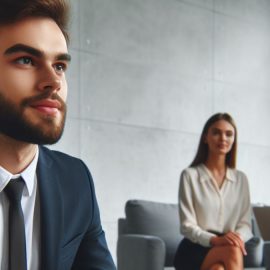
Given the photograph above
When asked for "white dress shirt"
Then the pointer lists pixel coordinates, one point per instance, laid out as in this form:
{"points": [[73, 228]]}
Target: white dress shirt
{"points": [[30, 207], [205, 207]]}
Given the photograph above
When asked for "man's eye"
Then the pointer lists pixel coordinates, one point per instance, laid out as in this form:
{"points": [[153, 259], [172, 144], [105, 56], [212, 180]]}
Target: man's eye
{"points": [[60, 67], [24, 61]]}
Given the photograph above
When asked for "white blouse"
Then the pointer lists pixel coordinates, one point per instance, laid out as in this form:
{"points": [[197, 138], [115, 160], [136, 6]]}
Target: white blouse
{"points": [[205, 208]]}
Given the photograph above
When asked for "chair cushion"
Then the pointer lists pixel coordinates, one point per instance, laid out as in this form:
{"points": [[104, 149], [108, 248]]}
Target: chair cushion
{"points": [[158, 219]]}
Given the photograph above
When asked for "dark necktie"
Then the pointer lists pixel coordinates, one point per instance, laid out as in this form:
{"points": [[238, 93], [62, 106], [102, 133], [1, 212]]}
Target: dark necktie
{"points": [[17, 244]]}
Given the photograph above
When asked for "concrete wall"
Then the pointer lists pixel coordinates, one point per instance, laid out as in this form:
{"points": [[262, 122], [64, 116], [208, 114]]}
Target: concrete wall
{"points": [[145, 76]]}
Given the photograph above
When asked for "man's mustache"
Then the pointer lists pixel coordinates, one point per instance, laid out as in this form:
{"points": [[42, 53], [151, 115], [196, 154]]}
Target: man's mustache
{"points": [[42, 96]]}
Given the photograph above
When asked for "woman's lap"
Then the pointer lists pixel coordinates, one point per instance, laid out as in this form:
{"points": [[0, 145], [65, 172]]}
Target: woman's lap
{"points": [[189, 255]]}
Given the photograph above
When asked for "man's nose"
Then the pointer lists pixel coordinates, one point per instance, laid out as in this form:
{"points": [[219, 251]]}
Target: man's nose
{"points": [[49, 80]]}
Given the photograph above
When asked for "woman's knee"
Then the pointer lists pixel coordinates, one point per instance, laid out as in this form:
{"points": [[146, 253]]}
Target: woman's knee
{"points": [[229, 256], [235, 255], [234, 252], [217, 266]]}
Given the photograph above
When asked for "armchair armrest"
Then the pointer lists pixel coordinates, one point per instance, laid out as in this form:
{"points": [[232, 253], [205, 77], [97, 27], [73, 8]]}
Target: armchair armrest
{"points": [[140, 252], [266, 254]]}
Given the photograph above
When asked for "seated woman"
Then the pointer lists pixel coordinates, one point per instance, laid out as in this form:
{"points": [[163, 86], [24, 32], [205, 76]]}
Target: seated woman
{"points": [[214, 203]]}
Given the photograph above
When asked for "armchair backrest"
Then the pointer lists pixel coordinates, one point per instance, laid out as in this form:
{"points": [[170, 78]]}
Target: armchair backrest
{"points": [[156, 219]]}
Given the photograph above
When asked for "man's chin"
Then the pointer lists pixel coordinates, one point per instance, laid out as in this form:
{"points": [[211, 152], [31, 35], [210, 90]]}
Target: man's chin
{"points": [[35, 137], [42, 129], [45, 132]]}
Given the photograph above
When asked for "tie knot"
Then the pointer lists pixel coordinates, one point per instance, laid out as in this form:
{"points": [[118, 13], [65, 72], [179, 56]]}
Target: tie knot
{"points": [[14, 189]]}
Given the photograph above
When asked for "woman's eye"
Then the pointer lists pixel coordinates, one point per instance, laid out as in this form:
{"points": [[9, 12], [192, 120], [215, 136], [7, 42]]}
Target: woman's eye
{"points": [[215, 132], [24, 61]]}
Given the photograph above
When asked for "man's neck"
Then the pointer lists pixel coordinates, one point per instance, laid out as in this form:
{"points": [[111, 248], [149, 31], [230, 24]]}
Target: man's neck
{"points": [[15, 155]]}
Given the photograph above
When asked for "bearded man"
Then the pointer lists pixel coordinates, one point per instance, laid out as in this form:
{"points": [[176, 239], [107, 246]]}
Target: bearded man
{"points": [[49, 217]]}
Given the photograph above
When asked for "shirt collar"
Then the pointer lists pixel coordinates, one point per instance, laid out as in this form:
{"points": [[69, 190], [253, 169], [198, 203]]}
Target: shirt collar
{"points": [[205, 174], [230, 175], [28, 175]]}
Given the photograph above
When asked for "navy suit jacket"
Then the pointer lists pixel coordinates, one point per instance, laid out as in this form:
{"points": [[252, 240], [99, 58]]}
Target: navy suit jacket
{"points": [[71, 232]]}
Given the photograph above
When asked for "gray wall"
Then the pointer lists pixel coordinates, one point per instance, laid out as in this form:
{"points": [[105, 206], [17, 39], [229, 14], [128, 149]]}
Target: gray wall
{"points": [[145, 76]]}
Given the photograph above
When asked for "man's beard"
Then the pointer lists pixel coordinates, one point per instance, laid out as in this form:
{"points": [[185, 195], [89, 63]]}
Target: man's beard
{"points": [[14, 124]]}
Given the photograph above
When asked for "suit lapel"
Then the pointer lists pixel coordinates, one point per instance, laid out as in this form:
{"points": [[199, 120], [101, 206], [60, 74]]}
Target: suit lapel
{"points": [[50, 211]]}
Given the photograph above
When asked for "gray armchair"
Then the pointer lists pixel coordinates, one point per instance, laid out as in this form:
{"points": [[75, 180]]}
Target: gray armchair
{"points": [[149, 235]]}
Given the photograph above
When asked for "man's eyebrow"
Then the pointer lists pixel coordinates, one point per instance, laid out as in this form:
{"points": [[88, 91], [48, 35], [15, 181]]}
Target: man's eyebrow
{"points": [[35, 52], [23, 48], [64, 57]]}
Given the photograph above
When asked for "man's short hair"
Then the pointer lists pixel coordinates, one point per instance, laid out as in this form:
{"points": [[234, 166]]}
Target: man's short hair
{"points": [[12, 11]]}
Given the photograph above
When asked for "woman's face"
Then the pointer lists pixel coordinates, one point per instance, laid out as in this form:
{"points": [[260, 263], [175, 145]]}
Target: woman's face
{"points": [[220, 138]]}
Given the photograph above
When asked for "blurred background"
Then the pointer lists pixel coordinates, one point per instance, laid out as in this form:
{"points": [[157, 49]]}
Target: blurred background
{"points": [[146, 75]]}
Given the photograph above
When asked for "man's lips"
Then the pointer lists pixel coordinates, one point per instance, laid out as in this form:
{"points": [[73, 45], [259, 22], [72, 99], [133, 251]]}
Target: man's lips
{"points": [[47, 106]]}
